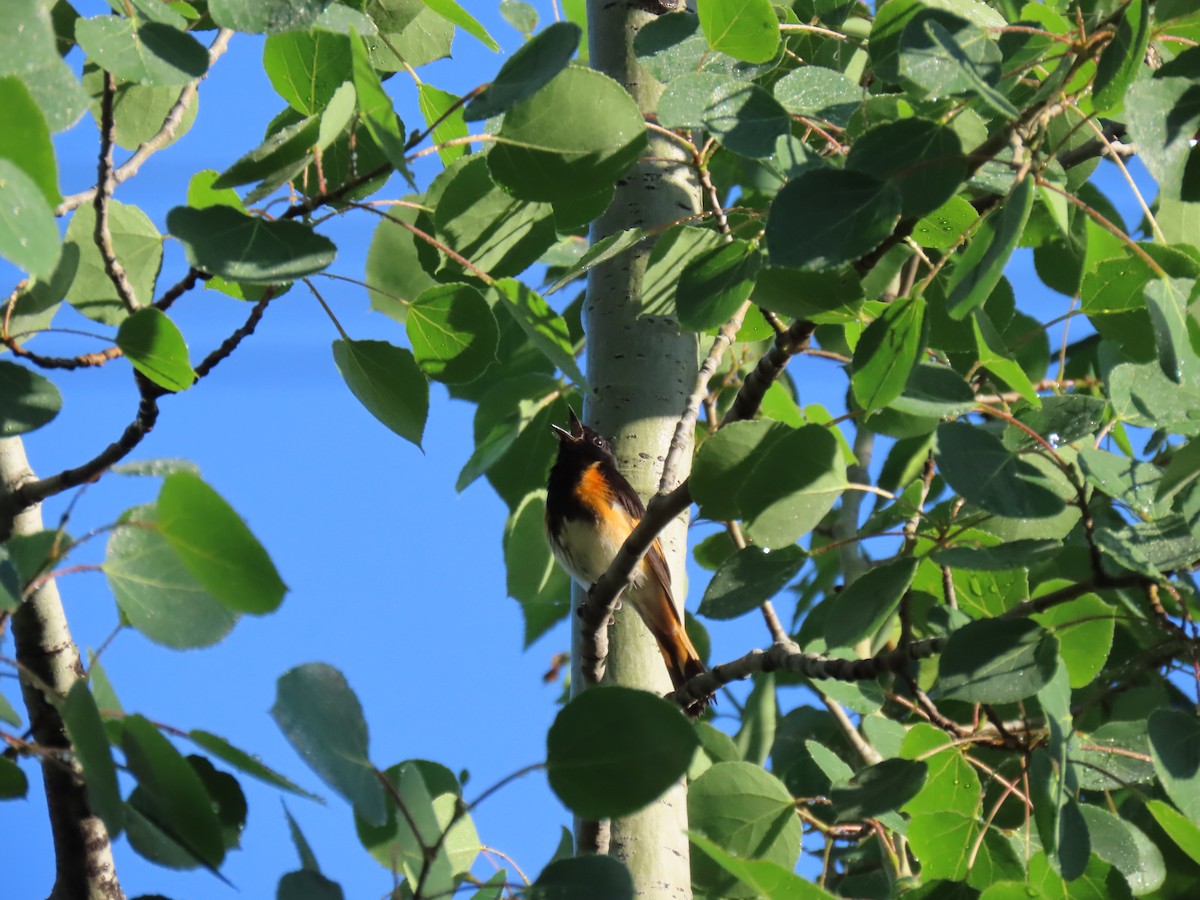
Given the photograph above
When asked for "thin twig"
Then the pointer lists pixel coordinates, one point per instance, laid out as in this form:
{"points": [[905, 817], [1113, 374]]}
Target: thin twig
{"points": [[104, 183], [165, 133], [230, 343]]}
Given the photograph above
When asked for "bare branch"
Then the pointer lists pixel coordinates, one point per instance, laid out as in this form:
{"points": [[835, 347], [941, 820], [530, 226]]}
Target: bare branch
{"points": [[170, 125], [789, 657], [230, 343], [101, 234]]}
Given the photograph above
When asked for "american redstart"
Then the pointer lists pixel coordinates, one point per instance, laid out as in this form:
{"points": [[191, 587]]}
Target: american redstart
{"points": [[590, 511]]}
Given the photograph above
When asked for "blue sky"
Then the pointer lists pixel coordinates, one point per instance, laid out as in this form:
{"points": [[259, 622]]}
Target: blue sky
{"points": [[394, 578]]}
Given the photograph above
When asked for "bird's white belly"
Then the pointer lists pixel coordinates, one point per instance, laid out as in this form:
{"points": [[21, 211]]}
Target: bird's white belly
{"points": [[591, 553]]}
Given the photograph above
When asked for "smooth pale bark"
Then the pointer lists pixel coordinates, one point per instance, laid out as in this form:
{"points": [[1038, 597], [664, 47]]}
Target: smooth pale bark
{"points": [[641, 370], [83, 853]]}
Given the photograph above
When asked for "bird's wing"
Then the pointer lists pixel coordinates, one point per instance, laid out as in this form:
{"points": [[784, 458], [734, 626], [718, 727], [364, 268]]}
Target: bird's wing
{"points": [[627, 498]]}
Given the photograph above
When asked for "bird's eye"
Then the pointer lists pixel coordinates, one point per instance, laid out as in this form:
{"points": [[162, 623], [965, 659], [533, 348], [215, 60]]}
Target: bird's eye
{"points": [[598, 441]]}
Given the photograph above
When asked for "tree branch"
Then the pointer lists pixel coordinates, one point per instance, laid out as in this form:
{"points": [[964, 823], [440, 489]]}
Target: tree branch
{"points": [[170, 125], [789, 657], [104, 186]]}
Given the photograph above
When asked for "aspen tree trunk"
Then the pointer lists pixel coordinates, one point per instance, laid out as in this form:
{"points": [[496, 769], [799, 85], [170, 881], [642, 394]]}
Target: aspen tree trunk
{"points": [[641, 370], [47, 652]]}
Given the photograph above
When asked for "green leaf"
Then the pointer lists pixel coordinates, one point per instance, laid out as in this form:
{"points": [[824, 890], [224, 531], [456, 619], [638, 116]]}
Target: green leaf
{"points": [[452, 12], [583, 878], [745, 29], [430, 795], [1121, 60], [1162, 116], [749, 578], [28, 234], [13, 783], [1126, 848], [153, 53], [862, 608], [321, 717], [306, 68], [982, 264], [266, 16], [29, 49], [857, 211], [767, 879], [946, 55], [671, 253], [240, 759], [756, 735], [552, 146], [524, 73], [27, 400], [943, 842], [275, 158], [997, 661], [951, 784], [25, 139], [223, 241], [394, 274], [1167, 302], [601, 251], [453, 333], [1175, 746], [388, 382], [749, 814], [521, 16], [714, 284], [1142, 395], [945, 226], [878, 789], [155, 592], [994, 356], [216, 546], [171, 792], [986, 473], [92, 751], [495, 231], [1128, 480], [743, 117], [613, 750], [923, 160], [441, 107], [1011, 555], [887, 352], [819, 92], [1084, 628], [1182, 830], [786, 478], [1182, 470], [532, 578], [1117, 755], [933, 391], [307, 885], [544, 327], [156, 348], [375, 105]]}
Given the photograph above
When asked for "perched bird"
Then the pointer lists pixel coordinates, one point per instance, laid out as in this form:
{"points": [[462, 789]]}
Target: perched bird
{"points": [[590, 510]]}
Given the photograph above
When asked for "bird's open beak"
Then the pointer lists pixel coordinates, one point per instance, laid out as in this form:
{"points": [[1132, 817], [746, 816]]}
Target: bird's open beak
{"points": [[575, 435]]}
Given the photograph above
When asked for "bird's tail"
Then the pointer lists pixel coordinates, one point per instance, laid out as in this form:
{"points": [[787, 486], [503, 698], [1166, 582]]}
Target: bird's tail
{"points": [[678, 652]]}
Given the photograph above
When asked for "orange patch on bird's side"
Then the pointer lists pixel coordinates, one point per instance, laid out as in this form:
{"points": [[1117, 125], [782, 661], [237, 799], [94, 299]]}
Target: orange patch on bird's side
{"points": [[594, 491]]}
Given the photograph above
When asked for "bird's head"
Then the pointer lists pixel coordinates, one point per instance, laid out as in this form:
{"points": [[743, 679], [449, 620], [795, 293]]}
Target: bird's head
{"points": [[582, 441]]}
